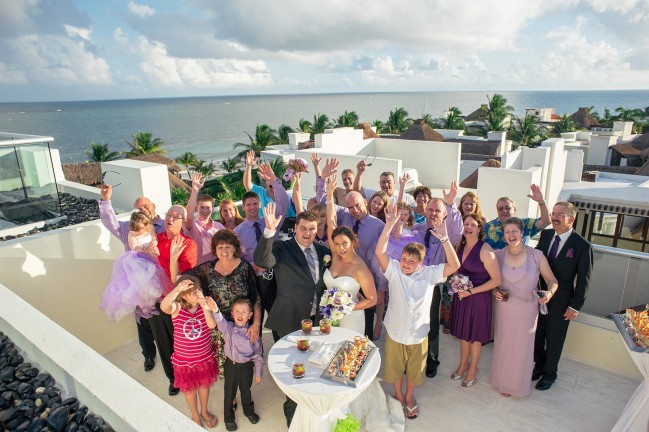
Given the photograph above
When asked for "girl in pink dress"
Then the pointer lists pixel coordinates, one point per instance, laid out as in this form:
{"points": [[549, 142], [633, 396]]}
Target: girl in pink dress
{"points": [[193, 360]]}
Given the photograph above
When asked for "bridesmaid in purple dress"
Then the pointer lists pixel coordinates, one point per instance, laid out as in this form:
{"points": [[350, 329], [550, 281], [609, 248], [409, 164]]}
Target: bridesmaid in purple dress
{"points": [[471, 309], [513, 357]]}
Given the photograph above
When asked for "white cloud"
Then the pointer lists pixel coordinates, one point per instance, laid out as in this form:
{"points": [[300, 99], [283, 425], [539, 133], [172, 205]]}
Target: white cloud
{"points": [[73, 31], [164, 70], [139, 10], [11, 76]]}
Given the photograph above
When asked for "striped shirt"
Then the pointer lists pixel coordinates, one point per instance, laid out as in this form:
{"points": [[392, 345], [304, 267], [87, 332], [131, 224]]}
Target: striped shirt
{"points": [[192, 338]]}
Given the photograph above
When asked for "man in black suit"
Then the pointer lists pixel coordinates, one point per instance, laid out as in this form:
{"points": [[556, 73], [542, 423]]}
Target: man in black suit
{"points": [[298, 265], [571, 260]]}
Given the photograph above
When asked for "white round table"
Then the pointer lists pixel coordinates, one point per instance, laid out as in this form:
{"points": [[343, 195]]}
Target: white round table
{"points": [[320, 402]]}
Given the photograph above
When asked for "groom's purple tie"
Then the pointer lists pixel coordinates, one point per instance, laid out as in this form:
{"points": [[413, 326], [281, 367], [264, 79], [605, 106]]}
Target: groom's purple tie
{"points": [[554, 249]]}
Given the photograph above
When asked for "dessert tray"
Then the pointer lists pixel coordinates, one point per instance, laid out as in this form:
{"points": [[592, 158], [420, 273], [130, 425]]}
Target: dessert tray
{"points": [[346, 366], [634, 328]]}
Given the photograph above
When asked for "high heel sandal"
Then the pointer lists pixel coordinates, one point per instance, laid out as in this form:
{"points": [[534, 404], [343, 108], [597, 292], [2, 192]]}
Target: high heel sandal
{"points": [[456, 377], [466, 383]]}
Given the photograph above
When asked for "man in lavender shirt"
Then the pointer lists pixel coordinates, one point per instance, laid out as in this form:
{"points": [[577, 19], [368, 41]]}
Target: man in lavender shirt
{"points": [[368, 229], [437, 210], [120, 230], [252, 228], [202, 228]]}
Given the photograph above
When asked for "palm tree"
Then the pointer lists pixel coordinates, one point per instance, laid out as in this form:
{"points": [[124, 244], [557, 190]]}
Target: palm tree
{"points": [[565, 124], [607, 119], [320, 123], [498, 112], [592, 112], [100, 153], [398, 121], [454, 120], [428, 119], [625, 114], [283, 132], [144, 143], [264, 136], [379, 125], [304, 125], [527, 131], [187, 159], [348, 119], [230, 165], [204, 168]]}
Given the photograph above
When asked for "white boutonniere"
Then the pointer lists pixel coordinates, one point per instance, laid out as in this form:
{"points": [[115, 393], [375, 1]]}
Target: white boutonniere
{"points": [[326, 260]]}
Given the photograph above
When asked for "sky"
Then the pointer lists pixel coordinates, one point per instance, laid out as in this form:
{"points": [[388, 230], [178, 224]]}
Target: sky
{"points": [[53, 50]]}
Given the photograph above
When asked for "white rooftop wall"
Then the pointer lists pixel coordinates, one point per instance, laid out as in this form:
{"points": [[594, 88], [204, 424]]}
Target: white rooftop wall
{"points": [[574, 165], [494, 183], [599, 152]]}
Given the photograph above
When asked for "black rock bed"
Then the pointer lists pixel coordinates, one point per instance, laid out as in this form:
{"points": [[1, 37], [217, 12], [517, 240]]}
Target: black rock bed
{"points": [[77, 210], [30, 400]]}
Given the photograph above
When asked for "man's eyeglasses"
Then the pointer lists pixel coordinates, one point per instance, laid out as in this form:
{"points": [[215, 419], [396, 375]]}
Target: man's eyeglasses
{"points": [[173, 217], [369, 164], [558, 215], [504, 208], [103, 176]]}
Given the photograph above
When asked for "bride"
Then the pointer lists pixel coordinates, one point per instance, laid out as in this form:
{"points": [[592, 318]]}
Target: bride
{"points": [[347, 272]]}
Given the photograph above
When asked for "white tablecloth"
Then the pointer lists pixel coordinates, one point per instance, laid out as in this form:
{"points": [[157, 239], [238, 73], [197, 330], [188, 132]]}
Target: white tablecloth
{"points": [[320, 402], [635, 417]]}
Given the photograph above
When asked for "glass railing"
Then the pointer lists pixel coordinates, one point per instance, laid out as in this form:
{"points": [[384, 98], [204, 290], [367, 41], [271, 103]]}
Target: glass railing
{"points": [[620, 280]]}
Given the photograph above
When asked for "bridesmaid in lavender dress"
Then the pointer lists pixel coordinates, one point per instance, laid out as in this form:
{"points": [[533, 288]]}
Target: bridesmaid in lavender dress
{"points": [[471, 310], [513, 356]]}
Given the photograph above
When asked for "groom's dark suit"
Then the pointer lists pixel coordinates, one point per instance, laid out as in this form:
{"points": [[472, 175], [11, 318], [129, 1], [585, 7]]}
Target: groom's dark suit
{"points": [[295, 286], [572, 269]]}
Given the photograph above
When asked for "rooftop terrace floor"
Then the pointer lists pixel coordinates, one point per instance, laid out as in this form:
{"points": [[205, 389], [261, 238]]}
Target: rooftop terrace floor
{"points": [[583, 398]]}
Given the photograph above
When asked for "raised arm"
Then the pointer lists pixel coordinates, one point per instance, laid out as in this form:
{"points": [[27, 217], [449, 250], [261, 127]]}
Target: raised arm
{"points": [[537, 195], [168, 304], [315, 160], [175, 250], [391, 218], [264, 256], [331, 167], [107, 214], [208, 312], [297, 193], [403, 181], [452, 261], [247, 172], [332, 219], [197, 184], [267, 174], [360, 171]]}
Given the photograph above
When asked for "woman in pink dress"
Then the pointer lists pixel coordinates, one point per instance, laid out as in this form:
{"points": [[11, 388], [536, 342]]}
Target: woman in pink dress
{"points": [[515, 320]]}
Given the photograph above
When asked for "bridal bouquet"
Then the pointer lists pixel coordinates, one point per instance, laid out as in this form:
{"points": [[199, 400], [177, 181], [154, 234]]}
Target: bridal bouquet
{"points": [[335, 304], [459, 283], [295, 166]]}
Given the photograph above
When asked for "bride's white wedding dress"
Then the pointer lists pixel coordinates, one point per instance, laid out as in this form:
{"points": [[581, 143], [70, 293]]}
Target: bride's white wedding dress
{"points": [[356, 320]]}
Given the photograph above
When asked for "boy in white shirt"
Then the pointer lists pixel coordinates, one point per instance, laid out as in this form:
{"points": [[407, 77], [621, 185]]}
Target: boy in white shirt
{"points": [[411, 288]]}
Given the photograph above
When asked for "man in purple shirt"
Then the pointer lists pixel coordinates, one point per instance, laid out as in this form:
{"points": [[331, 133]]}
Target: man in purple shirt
{"points": [[252, 228], [368, 229], [120, 230], [437, 210], [202, 228]]}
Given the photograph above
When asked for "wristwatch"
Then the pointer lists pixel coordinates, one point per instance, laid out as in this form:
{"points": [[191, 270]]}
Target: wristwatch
{"points": [[469, 291]]}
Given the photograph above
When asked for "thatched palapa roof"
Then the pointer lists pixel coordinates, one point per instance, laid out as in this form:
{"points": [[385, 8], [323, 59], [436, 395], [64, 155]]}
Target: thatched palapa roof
{"points": [[367, 131], [638, 146], [643, 170], [87, 173], [583, 119], [471, 182], [422, 132], [478, 115], [158, 158]]}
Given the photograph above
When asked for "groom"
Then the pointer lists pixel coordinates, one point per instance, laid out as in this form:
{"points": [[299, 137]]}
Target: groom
{"points": [[298, 265]]}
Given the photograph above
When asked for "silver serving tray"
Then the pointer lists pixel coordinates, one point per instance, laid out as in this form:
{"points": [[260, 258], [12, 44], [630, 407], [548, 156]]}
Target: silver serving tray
{"points": [[333, 373], [618, 319]]}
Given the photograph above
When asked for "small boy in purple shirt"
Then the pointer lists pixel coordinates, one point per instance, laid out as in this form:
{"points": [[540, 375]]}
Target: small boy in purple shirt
{"points": [[241, 357]]}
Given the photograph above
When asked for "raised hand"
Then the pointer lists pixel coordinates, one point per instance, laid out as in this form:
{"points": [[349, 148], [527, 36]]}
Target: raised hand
{"points": [[392, 215], [331, 166], [183, 285], [106, 192], [272, 221], [201, 298], [197, 184], [266, 173], [536, 194], [315, 160], [211, 304], [330, 186], [251, 160], [361, 167], [449, 197], [439, 229], [177, 247], [403, 181]]}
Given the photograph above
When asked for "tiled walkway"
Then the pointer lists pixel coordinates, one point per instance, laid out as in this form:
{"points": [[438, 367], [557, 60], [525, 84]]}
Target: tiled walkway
{"points": [[584, 398]]}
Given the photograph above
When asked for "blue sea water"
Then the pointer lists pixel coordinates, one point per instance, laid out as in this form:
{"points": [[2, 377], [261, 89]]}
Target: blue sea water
{"points": [[209, 126]]}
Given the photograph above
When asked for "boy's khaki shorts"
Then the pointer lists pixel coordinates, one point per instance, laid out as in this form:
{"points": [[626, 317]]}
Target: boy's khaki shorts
{"points": [[400, 358]]}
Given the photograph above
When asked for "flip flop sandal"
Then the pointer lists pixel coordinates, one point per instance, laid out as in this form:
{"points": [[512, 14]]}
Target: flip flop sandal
{"points": [[210, 421], [412, 413]]}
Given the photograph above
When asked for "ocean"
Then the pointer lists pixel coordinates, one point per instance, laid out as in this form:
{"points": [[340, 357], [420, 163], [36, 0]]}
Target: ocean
{"points": [[209, 126]]}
